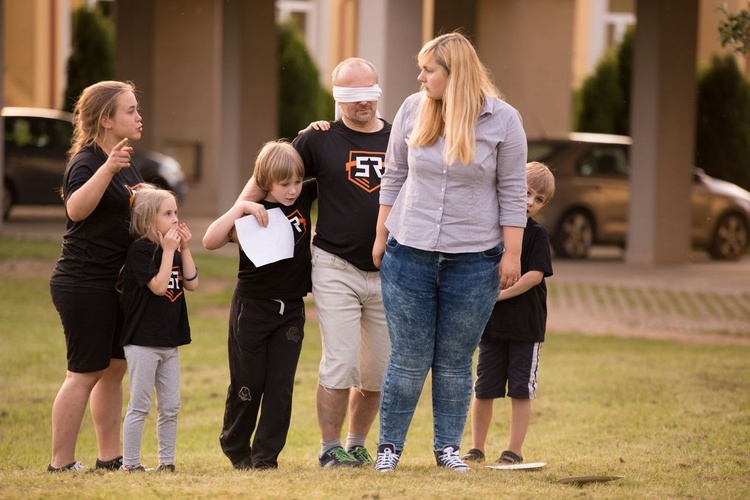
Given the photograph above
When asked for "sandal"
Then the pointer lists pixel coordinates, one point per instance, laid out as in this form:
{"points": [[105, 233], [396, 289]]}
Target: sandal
{"points": [[508, 457], [474, 455]]}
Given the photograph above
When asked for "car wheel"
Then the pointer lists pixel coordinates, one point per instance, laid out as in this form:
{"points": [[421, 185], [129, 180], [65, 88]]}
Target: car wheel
{"points": [[730, 238], [7, 200], [574, 236]]}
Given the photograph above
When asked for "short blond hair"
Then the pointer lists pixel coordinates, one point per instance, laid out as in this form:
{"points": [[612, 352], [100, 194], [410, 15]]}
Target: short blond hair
{"points": [[539, 178], [146, 203], [277, 161]]}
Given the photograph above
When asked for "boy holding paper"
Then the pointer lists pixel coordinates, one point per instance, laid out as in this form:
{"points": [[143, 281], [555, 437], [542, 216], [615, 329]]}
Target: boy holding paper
{"points": [[267, 315]]}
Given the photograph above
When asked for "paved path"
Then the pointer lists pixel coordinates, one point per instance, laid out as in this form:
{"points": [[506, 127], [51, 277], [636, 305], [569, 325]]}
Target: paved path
{"points": [[701, 301]]}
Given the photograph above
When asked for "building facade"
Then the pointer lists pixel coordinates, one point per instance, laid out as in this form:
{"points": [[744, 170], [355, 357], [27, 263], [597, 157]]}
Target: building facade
{"points": [[206, 71]]}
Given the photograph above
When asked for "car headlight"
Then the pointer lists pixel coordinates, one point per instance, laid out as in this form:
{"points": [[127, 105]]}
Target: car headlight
{"points": [[171, 171]]}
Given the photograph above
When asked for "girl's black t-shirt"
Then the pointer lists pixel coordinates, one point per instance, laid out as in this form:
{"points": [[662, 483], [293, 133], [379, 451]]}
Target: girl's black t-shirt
{"points": [[94, 249], [153, 320]]}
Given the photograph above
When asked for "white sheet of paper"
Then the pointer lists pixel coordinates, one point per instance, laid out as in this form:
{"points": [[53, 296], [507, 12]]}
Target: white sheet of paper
{"points": [[264, 245]]}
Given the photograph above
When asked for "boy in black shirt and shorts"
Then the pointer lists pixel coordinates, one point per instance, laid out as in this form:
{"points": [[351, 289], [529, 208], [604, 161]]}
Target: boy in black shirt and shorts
{"points": [[511, 342]]}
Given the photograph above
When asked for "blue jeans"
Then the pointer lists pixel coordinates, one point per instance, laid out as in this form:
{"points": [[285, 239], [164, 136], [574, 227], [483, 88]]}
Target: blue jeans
{"points": [[436, 306]]}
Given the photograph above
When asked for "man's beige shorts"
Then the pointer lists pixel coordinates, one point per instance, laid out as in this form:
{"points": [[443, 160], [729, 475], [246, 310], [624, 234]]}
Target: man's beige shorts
{"points": [[355, 339]]}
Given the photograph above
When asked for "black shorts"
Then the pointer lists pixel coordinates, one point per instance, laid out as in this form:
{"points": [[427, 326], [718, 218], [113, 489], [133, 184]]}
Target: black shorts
{"points": [[92, 321], [507, 362]]}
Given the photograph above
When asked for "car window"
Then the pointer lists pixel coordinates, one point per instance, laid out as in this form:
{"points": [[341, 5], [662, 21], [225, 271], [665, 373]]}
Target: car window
{"points": [[60, 134], [540, 151], [18, 132], [606, 161], [43, 133]]}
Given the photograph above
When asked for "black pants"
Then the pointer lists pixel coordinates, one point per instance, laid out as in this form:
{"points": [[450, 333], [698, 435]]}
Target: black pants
{"points": [[265, 341]]}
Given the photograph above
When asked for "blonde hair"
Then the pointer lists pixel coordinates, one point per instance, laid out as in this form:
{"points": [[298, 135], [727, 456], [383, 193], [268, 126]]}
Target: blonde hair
{"points": [[95, 103], [539, 178], [146, 203], [277, 161], [455, 115]]}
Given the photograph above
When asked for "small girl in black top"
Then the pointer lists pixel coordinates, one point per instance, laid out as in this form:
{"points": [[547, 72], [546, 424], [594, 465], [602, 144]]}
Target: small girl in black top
{"points": [[267, 316], [158, 269]]}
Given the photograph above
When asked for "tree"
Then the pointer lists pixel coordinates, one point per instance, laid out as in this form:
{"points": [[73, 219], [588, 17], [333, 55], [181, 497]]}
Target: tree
{"points": [[604, 99], [735, 30], [301, 97], [722, 131], [93, 51]]}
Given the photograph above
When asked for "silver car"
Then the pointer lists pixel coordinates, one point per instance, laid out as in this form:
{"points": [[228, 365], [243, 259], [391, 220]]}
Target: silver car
{"points": [[590, 205]]}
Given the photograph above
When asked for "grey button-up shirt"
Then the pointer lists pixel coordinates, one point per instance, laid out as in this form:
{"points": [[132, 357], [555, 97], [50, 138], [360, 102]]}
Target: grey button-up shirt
{"points": [[456, 208]]}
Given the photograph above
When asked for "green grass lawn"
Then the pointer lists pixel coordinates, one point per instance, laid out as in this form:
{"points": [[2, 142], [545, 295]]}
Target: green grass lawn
{"points": [[673, 419]]}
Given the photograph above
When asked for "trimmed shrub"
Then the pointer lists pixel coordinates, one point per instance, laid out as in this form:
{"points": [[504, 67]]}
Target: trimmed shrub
{"points": [[603, 102], [722, 136], [722, 140], [93, 52], [601, 99], [301, 97]]}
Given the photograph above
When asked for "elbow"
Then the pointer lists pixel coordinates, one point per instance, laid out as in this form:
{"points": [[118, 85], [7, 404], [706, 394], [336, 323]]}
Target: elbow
{"points": [[536, 278], [158, 290], [75, 208], [74, 215], [209, 243]]}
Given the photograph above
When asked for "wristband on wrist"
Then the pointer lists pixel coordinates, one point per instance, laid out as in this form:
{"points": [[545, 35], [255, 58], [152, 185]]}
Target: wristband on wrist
{"points": [[191, 279]]}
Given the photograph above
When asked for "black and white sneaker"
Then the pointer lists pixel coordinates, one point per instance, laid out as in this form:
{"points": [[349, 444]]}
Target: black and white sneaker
{"points": [[448, 457], [73, 466], [387, 458], [132, 468], [113, 464]]}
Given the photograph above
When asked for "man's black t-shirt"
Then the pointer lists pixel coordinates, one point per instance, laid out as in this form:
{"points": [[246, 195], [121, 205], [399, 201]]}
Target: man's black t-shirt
{"points": [[94, 249], [153, 320], [289, 278], [524, 317], [348, 166]]}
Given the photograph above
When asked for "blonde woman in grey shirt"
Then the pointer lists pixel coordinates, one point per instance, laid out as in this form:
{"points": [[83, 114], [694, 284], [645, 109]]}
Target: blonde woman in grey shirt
{"points": [[452, 203]]}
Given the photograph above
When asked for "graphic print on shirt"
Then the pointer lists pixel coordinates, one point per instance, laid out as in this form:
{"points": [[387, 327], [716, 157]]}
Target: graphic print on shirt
{"points": [[365, 169], [174, 288], [299, 225]]}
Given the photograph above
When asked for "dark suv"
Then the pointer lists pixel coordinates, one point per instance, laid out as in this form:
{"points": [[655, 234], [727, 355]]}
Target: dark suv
{"points": [[36, 144]]}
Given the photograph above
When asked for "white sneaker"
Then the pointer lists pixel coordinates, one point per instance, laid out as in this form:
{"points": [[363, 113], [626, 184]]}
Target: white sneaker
{"points": [[448, 457], [387, 458]]}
